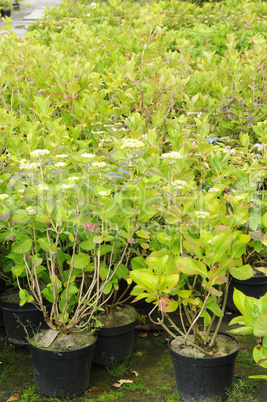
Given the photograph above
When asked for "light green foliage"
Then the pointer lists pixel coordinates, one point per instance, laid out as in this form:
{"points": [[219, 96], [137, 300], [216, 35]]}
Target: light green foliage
{"points": [[158, 109], [253, 321]]}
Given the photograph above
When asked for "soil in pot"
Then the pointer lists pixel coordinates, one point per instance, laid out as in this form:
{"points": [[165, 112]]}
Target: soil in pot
{"points": [[62, 362], [115, 337], [19, 320], [200, 378]]}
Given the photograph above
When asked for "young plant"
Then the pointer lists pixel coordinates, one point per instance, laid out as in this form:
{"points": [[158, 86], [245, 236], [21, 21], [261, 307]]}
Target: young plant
{"points": [[253, 320]]}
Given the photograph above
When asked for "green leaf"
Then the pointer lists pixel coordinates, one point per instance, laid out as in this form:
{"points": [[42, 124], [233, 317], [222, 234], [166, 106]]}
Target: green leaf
{"points": [[191, 267], [239, 300], [107, 288], [138, 262], [242, 331], [5, 213], [48, 294], [88, 245], [42, 218], [260, 356], [20, 216], [18, 270], [260, 327], [25, 297], [242, 273], [22, 246], [81, 260], [46, 246]]}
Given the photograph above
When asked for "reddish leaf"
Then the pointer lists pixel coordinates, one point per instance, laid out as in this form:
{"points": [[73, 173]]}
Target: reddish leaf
{"points": [[131, 240], [13, 397], [143, 334], [219, 354], [243, 350], [93, 389]]}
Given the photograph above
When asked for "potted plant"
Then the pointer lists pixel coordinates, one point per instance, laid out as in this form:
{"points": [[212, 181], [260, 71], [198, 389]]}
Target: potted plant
{"points": [[253, 320], [200, 243], [70, 235], [61, 253], [16, 5], [256, 286], [5, 8]]}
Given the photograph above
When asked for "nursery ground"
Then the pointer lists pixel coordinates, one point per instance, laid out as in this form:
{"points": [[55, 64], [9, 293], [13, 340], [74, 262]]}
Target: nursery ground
{"points": [[150, 370]]}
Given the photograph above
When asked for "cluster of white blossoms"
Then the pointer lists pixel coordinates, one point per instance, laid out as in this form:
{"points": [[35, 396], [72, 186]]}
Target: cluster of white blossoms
{"points": [[99, 164], [172, 155], [65, 186], [3, 196], [214, 190], [24, 164], [62, 156], [88, 156], [103, 193], [39, 152], [31, 210], [105, 140], [129, 143], [43, 187], [73, 178], [179, 184], [229, 151], [201, 214], [239, 197], [60, 164]]}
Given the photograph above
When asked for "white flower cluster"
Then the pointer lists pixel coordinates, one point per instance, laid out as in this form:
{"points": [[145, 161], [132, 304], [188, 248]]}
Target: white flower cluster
{"points": [[201, 214], [103, 193], [129, 143], [29, 166], [239, 197], [172, 155], [31, 210], [39, 152], [43, 187], [65, 186], [60, 164], [99, 164], [73, 178], [88, 156], [229, 151], [62, 156], [105, 140], [214, 190], [3, 196], [179, 184]]}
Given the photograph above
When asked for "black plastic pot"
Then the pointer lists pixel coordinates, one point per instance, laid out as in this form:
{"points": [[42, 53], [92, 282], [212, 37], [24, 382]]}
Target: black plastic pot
{"points": [[254, 287], [20, 320], [114, 344], [16, 6], [5, 13], [203, 379], [62, 374]]}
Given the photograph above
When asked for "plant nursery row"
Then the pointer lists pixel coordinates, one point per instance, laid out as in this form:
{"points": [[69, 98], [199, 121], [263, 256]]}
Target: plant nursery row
{"points": [[133, 160]]}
